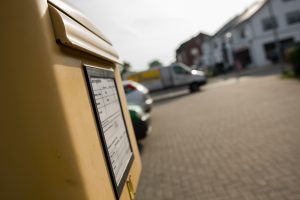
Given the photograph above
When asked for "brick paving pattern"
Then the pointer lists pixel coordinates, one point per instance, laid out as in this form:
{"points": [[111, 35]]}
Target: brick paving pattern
{"points": [[237, 141]]}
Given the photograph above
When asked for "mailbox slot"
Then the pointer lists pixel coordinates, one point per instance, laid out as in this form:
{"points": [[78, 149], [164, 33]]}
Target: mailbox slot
{"points": [[70, 32]]}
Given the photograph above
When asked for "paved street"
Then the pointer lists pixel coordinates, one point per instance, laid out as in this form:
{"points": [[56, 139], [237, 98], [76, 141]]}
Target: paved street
{"points": [[231, 141]]}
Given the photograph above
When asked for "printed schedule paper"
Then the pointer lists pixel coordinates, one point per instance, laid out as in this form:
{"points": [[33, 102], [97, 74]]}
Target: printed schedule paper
{"points": [[112, 123]]}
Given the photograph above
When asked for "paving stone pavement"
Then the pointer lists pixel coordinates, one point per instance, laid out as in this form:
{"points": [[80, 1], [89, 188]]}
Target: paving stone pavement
{"points": [[239, 141]]}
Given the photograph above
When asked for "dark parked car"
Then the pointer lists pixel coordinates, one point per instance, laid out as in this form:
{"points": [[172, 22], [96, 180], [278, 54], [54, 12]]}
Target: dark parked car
{"points": [[140, 121]]}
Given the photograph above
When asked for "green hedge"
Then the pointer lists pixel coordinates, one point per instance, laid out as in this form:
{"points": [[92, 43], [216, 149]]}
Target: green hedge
{"points": [[293, 57]]}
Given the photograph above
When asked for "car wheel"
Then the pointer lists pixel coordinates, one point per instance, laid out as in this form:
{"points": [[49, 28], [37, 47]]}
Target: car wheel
{"points": [[194, 87]]}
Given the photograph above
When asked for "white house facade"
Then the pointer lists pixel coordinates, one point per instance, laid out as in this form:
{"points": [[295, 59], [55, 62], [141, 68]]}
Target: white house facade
{"points": [[256, 37]]}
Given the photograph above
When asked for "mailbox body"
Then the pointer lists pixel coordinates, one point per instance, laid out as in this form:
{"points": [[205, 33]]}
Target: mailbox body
{"points": [[50, 143]]}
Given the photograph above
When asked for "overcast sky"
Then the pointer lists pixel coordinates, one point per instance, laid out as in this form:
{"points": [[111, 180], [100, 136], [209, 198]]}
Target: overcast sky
{"points": [[144, 30]]}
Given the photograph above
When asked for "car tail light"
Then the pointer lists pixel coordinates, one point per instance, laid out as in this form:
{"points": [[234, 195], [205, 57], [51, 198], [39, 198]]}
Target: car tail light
{"points": [[132, 87], [129, 88]]}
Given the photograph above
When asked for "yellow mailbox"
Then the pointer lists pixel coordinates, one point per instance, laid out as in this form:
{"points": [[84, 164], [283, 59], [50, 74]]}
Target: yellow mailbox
{"points": [[65, 128]]}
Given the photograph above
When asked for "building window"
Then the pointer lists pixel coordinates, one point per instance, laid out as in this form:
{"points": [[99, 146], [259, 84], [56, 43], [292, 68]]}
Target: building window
{"points": [[194, 51], [269, 23], [179, 58], [215, 44], [242, 33], [293, 17]]}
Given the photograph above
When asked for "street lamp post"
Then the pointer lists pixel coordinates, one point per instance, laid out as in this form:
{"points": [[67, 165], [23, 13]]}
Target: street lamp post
{"points": [[276, 35]]}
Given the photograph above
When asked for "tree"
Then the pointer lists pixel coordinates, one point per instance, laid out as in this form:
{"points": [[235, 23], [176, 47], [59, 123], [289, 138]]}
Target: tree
{"points": [[155, 63], [126, 69]]}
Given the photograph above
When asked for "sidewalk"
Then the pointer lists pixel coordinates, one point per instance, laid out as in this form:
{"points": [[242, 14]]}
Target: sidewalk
{"points": [[239, 142], [253, 71]]}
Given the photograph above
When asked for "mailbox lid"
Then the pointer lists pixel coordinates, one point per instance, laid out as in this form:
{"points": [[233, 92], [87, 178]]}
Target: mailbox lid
{"points": [[74, 30]]}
